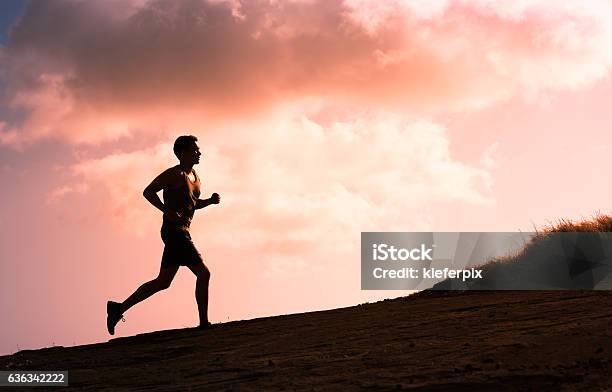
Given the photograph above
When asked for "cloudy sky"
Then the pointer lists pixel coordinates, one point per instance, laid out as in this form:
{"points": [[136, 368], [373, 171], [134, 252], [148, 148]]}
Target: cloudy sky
{"points": [[317, 120]]}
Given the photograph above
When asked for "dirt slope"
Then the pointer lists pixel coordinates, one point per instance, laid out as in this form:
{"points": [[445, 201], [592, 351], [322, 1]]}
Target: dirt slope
{"points": [[433, 341]]}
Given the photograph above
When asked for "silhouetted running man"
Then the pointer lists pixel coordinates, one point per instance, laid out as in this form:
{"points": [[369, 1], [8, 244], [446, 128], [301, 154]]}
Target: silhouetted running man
{"points": [[181, 191]]}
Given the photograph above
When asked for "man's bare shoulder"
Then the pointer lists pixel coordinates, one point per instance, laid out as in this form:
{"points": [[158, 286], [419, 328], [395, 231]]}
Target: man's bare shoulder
{"points": [[172, 171], [168, 179], [173, 177]]}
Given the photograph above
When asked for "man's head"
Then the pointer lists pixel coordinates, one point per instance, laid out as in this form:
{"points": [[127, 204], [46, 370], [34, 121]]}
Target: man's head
{"points": [[186, 149]]}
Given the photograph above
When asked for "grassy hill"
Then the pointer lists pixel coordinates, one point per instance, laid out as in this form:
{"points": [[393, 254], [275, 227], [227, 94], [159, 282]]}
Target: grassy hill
{"points": [[563, 256]]}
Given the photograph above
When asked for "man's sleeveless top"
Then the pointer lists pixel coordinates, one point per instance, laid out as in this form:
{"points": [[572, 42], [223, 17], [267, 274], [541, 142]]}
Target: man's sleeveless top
{"points": [[182, 199]]}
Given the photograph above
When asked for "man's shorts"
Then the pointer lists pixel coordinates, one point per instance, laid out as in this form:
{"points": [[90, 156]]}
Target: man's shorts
{"points": [[178, 249]]}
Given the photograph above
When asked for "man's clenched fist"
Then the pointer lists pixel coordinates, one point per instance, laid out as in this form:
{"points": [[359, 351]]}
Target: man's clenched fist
{"points": [[215, 199]]}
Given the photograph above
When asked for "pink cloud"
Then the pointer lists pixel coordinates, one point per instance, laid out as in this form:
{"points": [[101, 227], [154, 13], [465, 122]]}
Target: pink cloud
{"points": [[302, 188], [97, 71]]}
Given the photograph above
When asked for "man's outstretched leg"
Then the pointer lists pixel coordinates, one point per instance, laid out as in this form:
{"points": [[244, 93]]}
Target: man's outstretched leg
{"points": [[201, 292], [115, 310]]}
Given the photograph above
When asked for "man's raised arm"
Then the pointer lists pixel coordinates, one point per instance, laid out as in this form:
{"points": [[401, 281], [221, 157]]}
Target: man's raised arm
{"points": [[167, 179]]}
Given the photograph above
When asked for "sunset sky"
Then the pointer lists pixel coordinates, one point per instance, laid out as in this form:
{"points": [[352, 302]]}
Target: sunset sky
{"points": [[317, 120]]}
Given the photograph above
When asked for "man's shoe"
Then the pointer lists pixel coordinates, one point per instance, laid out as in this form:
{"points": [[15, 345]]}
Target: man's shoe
{"points": [[113, 315]]}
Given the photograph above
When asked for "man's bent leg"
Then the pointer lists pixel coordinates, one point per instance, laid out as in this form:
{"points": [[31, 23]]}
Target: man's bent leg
{"points": [[201, 293], [163, 280]]}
